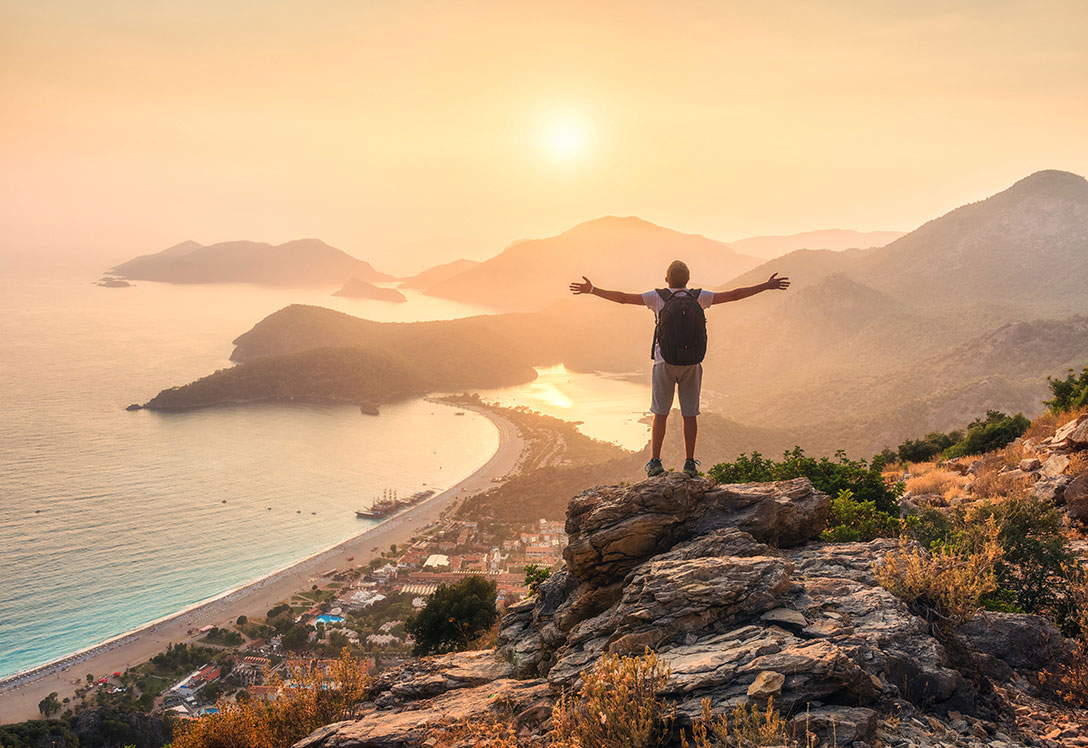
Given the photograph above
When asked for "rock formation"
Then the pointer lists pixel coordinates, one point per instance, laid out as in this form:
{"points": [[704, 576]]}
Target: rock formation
{"points": [[727, 585]]}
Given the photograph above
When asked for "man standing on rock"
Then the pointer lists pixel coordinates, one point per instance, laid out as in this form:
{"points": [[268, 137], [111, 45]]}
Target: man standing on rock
{"points": [[678, 348]]}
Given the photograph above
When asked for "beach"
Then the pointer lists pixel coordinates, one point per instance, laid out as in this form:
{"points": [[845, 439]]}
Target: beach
{"points": [[20, 694]]}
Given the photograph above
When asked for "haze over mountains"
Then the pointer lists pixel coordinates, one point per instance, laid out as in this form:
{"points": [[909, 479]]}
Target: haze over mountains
{"points": [[628, 254], [303, 262], [769, 247], [971, 311]]}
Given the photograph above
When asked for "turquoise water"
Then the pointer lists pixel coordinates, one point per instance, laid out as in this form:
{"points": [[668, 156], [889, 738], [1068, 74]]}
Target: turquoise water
{"points": [[111, 519], [326, 618]]}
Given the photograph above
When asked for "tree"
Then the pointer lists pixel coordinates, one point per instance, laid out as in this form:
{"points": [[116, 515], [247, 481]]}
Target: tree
{"points": [[296, 637], [49, 705], [242, 620], [454, 616]]}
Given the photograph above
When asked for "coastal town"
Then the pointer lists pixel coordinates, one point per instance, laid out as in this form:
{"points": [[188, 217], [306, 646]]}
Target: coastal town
{"points": [[361, 607]]}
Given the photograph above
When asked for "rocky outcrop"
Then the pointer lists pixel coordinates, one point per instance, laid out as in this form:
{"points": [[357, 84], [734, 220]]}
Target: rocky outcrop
{"points": [[726, 584]]}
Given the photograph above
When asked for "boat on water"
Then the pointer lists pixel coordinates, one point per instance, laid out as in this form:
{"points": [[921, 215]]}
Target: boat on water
{"points": [[389, 503]]}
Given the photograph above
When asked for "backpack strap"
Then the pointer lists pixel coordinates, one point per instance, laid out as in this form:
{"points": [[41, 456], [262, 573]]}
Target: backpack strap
{"points": [[666, 296]]}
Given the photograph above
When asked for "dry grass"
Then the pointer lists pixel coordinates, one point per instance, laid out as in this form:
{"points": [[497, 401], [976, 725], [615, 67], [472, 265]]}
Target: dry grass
{"points": [[313, 699], [946, 583], [744, 728], [617, 707], [1078, 464], [1013, 454], [990, 484], [941, 481], [485, 734], [1046, 424]]}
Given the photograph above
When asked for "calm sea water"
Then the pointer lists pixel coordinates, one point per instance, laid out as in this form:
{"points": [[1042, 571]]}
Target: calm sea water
{"points": [[111, 519]]}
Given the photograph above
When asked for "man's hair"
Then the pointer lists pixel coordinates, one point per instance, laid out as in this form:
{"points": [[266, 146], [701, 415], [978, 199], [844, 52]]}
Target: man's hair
{"points": [[678, 275]]}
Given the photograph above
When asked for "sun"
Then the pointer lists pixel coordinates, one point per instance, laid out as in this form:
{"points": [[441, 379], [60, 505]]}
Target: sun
{"points": [[565, 139]]}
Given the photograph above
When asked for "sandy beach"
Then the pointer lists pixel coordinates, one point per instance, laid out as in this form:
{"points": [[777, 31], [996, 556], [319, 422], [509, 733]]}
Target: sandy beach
{"points": [[20, 694]]}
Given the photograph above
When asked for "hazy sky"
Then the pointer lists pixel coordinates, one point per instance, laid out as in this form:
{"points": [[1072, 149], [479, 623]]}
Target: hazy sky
{"points": [[408, 133]]}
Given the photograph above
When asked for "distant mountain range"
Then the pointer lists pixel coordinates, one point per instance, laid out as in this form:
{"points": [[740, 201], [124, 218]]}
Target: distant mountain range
{"points": [[769, 247], [869, 347], [438, 274], [628, 254], [303, 262]]}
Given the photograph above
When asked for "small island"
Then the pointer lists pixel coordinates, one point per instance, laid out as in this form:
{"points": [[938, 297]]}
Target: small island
{"points": [[113, 283], [356, 288]]}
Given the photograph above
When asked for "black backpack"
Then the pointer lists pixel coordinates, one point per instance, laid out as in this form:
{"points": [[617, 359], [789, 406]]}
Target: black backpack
{"points": [[680, 328]]}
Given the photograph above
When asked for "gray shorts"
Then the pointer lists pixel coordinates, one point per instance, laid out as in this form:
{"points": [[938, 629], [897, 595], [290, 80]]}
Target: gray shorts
{"points": [[667, 378]]}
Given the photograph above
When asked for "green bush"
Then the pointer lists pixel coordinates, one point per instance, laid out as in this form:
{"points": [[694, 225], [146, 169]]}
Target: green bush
{"points": [[1031, 576], [535, 576], [1070, 393], [924, 450], [985, 435], [454, 616], [864, 481], [852, 521]]}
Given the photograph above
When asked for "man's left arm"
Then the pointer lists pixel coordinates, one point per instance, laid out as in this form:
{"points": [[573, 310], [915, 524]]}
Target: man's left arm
{"points": [[774, 283]]}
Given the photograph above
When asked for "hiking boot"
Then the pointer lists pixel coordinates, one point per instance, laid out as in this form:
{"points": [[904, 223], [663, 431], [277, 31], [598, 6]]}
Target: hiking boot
{"points": [[691, 467], [654, 467]]}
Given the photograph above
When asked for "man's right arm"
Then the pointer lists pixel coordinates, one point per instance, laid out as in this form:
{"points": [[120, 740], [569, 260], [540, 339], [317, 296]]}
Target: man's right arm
{"points": [[617, 296]]}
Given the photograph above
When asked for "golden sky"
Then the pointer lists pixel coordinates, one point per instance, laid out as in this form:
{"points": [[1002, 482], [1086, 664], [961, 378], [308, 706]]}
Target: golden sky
{"points": [[409, 133]]}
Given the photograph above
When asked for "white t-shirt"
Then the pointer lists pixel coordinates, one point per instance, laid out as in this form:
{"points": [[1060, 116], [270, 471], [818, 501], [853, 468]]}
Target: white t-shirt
{"points": [[653, 300]]}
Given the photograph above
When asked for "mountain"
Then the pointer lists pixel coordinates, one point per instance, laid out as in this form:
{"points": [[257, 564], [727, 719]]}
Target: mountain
{"points": [[628, 254], [769, 247], [360, 289], [303, 262], [1025, 247], [438, 274]]}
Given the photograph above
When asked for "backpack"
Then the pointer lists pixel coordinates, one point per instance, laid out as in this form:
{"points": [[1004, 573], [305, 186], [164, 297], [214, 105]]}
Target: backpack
{"points": [[680, 328]]}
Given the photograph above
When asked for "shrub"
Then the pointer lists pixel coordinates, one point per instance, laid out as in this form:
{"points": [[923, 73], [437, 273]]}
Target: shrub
{"points": [[852, 520], [946, 584], [315, 698], [986, 435], [535, 576], [1030, 573], [990, 484], [1070, 393], [749, 727], [488, 733], [923, 450], [1070, 681], [864, 481], [454, 616], [617, 706]]}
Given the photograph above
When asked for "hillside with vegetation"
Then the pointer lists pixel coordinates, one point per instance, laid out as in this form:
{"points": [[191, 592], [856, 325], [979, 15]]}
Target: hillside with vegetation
{"points": [[848, 358]]}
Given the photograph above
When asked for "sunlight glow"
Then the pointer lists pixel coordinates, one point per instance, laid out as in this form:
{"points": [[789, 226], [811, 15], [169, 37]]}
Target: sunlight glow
{"points": [[565, 138]]}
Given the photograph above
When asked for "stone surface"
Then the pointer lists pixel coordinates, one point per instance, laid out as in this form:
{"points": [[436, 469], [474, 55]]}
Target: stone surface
{"points": [[1075, 496], [837, 725], [1030, 463], [1055, 465], [407, 725], [1026, 643], [1072, 435], [766, 685]]}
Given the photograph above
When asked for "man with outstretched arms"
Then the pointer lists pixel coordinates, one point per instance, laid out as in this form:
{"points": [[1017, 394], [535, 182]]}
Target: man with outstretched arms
{"points": [[678, 348]]}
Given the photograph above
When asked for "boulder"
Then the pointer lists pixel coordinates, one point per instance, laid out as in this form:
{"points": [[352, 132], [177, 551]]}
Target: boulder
{"points": [[1055, 465], [612, 530], [767, 685], [1028, 644], [1075, 496], [837, 725], [1073, 435], [1030, 464], [1051, 489], [527, 703]]}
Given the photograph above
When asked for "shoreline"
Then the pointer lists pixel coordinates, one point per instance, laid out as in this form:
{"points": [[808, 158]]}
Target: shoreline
{"points": [[21, 692]]}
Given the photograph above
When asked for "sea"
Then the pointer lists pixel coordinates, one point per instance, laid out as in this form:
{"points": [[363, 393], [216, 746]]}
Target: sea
{"points": [[110, 519]]}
